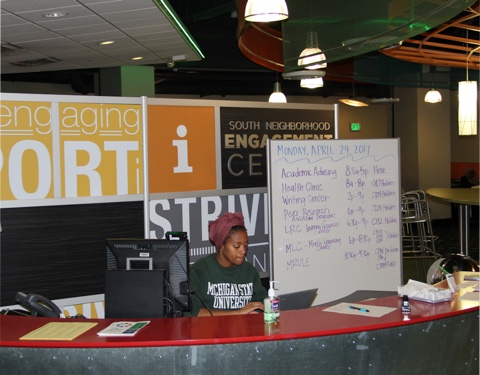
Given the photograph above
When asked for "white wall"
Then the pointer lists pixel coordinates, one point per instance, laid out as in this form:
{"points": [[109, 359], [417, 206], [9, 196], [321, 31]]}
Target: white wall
{"points": [[424, 131]]}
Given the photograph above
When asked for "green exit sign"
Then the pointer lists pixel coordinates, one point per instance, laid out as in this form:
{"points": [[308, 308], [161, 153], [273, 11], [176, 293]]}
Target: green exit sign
{"points": [[354, 126]]}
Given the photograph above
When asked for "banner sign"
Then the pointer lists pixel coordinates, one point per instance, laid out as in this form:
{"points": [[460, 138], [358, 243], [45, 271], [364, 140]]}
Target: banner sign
{"points": [[192, 215], [181, 148], [69, 150], [244, 134]]}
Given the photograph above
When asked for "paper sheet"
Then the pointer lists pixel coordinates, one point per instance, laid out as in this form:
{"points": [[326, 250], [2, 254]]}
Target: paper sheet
{"points": [[373, 311], [59, 331]]}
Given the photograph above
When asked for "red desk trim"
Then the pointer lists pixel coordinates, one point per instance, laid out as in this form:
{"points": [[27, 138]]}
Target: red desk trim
{"points": [[299, 324]]}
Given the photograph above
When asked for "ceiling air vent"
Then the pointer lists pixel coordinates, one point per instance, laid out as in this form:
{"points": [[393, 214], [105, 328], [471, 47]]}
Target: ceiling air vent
{"points": [[36, 62], [9, 50]]}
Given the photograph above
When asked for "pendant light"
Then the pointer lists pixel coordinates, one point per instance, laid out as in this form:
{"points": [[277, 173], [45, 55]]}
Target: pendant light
{"points": [[266, 10], [354, 101], [311, 83], [467, 105], [277, 96], [433, 96], [312, 57]]}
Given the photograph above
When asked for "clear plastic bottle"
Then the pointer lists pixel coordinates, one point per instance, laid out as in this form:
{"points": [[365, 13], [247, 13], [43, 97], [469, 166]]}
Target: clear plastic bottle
{"points": [[271, 312]]}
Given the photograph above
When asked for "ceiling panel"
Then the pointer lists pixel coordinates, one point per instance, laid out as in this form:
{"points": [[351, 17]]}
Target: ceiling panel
{"points": [[79, 22], [25, 27], [131, 15], [18, 6], [38, 16], [116, 35]]}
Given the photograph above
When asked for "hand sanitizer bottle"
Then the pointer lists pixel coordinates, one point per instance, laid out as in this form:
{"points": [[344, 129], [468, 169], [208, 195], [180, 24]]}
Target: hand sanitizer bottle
{"points": [[271, 313], [406, 310]]}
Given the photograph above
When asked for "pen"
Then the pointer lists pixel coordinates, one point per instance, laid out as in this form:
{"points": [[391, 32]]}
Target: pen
{"points": [[362, 309]]}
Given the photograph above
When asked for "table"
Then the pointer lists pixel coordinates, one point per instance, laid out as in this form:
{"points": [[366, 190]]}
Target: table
{"points": [[438, 338], [464, 197]]}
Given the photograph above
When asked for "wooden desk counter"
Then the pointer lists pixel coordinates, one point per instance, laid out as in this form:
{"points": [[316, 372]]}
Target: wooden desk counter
{"points": [[303, 339]]}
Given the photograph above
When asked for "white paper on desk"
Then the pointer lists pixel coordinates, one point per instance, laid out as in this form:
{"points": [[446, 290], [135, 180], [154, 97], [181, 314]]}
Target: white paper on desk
{"points": [[470, 296], [373, 311], [424, 292]]}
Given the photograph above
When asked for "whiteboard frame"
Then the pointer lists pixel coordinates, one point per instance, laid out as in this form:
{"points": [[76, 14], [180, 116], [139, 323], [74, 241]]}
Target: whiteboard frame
{"points": [[397, 280]]}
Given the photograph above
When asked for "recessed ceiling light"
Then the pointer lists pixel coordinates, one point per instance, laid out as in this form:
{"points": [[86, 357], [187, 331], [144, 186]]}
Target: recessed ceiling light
{"points": [[55, 14], [107, 42], [137, 58]]}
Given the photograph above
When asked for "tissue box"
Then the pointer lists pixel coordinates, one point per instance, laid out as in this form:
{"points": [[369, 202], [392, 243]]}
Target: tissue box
{"points": [[424, 292]]}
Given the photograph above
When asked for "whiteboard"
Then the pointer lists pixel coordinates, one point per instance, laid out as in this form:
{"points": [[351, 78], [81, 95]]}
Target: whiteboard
{"points": [[335, 219]]}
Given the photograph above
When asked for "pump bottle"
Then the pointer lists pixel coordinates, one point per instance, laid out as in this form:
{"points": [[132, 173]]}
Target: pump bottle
{"points": [[271, 304]]}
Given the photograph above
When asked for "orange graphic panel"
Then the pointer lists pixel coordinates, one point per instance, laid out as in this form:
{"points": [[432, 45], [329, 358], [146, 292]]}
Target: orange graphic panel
{"points": [[181, 148], [26, 151], [101, 149]]}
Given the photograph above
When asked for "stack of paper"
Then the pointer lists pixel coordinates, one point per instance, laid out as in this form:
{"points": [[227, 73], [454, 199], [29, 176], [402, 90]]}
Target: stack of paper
{"points": [[424, 292]]}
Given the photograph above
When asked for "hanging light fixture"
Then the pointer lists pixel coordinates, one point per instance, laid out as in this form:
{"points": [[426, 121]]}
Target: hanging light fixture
{"points": [[266, 10], [277, 96], [467, 104], [433, 96], [467, 107], [312, 57], [311, 83], [354, 101]]}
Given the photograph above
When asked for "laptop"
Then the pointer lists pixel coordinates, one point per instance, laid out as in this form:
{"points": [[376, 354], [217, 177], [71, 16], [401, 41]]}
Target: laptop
{"points": [[297, 300]]}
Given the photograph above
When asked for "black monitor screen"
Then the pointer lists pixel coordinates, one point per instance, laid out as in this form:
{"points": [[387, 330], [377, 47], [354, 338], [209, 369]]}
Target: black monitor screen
{"points": [[154, 254]]}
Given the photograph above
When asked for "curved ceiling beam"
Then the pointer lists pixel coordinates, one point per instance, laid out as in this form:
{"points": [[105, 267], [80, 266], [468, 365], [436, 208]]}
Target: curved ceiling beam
{"points": [[259, 42], [451, 44]]}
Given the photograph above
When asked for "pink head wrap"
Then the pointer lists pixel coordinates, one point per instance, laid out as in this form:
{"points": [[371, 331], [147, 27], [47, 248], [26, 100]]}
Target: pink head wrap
{"points": [[220, 228]]}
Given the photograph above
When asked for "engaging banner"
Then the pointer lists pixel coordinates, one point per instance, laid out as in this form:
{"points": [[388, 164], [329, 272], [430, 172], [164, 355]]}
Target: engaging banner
{"points": [[26, 150], [68, 150], [101, 149]]}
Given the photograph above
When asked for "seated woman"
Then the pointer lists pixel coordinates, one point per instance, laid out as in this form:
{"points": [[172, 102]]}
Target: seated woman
{"points": [[224, 283]]}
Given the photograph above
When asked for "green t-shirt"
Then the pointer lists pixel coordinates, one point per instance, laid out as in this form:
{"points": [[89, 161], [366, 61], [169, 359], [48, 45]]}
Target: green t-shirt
{"points": [[224, 288]]}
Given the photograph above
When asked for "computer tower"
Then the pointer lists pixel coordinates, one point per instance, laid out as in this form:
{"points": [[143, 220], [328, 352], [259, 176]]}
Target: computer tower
{"points": [[134, 294]]}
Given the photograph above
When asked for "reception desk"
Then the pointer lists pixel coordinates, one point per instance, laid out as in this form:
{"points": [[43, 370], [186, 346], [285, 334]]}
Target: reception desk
{"points": [[438, 339]]}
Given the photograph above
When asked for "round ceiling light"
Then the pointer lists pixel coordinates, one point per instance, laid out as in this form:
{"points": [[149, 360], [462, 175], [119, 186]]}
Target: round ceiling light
{"points": [[55, 14]]}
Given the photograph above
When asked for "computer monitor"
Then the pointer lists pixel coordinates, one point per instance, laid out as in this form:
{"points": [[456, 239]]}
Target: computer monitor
{"points": [[156, 254]]}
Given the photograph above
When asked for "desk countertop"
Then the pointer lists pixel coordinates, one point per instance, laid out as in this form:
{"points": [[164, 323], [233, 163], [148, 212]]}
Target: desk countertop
{"points": [[313, 322], [455, 195]]}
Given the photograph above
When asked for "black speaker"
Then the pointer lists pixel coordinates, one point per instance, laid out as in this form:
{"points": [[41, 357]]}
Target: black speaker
{"points": [[134, 294]]}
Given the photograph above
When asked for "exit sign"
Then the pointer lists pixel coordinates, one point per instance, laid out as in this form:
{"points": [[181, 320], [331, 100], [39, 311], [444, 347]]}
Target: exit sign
{"points": [[354, 126]]}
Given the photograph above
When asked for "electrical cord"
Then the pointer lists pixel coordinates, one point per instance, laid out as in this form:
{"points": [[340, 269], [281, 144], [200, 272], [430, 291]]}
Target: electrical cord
{"points": [[202, 301]]}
